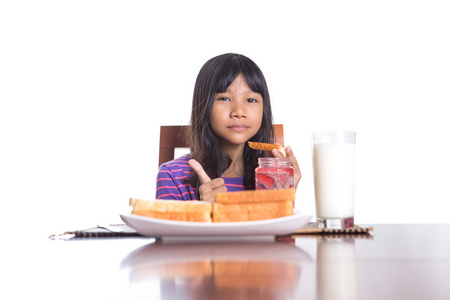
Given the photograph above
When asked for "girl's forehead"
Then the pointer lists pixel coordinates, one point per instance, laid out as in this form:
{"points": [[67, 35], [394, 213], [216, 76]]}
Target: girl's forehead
{"points": [[239, 83], [238, 78]]}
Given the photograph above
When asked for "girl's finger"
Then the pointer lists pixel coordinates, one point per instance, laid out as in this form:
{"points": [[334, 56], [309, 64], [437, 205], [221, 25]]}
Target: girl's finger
{"points": [[210, 195], [275, 153], [211, 185], [298, 173], [197, 167]]}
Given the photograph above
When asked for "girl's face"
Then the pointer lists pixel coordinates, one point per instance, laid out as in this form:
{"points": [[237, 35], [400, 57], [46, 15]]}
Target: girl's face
{"points": [[236, 114]]}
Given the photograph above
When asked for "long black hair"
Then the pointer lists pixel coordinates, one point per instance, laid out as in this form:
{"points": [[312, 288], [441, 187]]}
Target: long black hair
{"points": [[214, 77]]}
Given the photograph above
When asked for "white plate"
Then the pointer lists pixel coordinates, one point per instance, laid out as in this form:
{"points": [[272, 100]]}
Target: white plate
{"points": [[158, 228]]}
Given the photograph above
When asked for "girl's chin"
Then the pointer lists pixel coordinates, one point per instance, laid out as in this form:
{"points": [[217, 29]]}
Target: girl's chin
{"points": [[235, 143], [235, 140]]}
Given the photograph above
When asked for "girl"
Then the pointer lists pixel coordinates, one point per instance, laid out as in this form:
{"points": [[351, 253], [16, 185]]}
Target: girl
{"points": [[231, 105]]}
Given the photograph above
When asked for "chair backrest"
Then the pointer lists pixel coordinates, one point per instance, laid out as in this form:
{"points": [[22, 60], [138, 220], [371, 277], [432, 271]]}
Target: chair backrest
{"points": [[172, 137]]}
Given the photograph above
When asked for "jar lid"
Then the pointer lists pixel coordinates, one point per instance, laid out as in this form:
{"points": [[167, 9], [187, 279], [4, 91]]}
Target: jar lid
{"points": [[277, 160]]}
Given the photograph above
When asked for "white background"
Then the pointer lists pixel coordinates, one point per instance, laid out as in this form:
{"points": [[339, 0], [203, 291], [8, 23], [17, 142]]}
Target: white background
{"points": [[85, 86]]}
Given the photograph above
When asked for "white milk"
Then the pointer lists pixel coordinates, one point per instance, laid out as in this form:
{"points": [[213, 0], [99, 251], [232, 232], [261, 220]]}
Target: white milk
{"points": [[334, 180]]}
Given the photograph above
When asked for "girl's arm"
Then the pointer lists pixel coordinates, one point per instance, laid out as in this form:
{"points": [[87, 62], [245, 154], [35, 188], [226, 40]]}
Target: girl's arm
{"points": [[170, 185]]}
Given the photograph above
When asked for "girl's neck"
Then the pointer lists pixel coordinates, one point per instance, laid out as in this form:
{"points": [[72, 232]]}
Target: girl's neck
{"points": [[236, 168]]}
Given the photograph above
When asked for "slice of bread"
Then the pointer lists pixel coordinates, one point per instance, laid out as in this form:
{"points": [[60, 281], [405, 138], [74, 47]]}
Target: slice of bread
{"points": [[251, 196], [250, 216], [194, 211], [267, 147], [220, 208], [247, 215]]}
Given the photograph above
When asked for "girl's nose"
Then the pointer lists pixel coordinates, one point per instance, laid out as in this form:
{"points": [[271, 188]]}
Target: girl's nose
{"points": [[238, 110]]}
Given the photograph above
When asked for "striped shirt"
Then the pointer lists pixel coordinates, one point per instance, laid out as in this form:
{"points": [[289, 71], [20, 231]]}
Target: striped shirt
{"points": [[170, 183]]}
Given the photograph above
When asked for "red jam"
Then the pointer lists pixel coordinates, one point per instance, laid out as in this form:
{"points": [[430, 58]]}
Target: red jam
{"points": [[274, 173]]}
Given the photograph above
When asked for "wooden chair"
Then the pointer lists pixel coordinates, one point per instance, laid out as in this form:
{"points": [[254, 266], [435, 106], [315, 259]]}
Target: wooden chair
{"points": [[172, 137]]}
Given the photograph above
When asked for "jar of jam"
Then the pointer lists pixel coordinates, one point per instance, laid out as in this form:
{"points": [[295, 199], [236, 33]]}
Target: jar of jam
{"points": [[274, 173]]}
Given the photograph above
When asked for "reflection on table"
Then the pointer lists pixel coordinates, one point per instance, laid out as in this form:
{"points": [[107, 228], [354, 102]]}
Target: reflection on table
{"points": [[336, 269], [393, 262], [232, 270]]}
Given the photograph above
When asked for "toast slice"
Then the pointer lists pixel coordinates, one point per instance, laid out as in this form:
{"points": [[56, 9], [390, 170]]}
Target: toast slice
{"points": [[220, 208], [193, 211], [251, 196], [251, 211], [267, 147], [251, 216]]}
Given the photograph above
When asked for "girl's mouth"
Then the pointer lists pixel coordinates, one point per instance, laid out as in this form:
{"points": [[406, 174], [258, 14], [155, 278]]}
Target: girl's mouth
{"points": [[238, 127]]}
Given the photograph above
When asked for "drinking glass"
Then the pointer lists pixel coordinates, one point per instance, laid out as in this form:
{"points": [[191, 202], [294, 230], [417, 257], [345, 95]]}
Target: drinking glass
{"points": [[334, 178]]}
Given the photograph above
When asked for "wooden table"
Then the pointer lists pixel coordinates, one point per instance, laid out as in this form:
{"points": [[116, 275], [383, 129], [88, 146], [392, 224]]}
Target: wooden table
{"points": [[393, 262]]}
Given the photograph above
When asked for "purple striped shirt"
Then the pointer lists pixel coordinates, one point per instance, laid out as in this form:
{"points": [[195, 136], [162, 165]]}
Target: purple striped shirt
{"points": [[170, 181]]}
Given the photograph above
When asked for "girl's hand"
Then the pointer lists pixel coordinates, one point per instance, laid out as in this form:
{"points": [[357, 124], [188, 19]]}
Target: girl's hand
{"points": [[208, 188], [290, 154]]}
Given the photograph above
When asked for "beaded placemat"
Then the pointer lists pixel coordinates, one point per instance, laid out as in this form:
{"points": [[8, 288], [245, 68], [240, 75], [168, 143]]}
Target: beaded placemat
{"points": [[123, 230], [312, 228], [115, 230]]}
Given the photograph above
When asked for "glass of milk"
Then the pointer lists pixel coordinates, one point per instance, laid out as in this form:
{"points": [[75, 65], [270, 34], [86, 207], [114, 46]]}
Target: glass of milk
{"points": [[334, 178]]}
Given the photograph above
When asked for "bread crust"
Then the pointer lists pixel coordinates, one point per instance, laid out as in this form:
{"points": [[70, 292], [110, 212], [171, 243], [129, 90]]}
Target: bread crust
{"points": [[251, 216], [220, 208], [194, 211], [253, 196], [267, 147]]}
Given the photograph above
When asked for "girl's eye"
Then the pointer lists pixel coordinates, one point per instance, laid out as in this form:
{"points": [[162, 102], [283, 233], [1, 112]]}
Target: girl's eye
{"points": [[224, 99], [251, 100]]}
